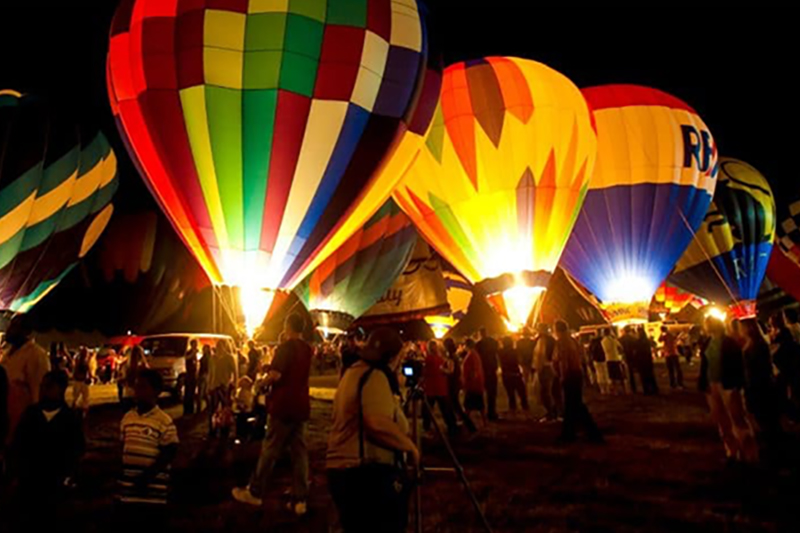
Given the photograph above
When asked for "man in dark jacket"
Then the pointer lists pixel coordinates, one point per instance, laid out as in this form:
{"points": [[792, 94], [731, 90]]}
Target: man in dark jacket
{"points": [[488, 349], [628, 341]]}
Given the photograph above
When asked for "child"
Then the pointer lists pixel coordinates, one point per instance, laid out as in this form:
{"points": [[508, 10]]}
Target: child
{"points": [[47, 446], [243, 407], [150, 443]]}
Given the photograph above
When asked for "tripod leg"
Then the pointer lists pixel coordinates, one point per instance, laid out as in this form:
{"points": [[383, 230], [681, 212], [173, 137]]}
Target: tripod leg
{"points": [[416, 434], [457, 466]]}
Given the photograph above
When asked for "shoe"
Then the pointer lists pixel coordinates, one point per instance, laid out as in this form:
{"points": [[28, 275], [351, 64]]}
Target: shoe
{"points": [[243, 495], [298, 508]]}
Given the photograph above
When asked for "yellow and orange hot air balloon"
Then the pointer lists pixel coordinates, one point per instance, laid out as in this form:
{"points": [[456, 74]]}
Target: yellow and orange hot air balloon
{"points": [[498, 186]]}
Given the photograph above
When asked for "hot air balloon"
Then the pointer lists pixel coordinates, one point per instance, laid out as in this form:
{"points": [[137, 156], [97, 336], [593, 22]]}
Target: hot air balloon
{"points": [[727, 260], [459, 296], [566, 300], [655, 176], [269, 131], [355, 277], [504, 170], [57, 180], [783, 272], [671, 300]]}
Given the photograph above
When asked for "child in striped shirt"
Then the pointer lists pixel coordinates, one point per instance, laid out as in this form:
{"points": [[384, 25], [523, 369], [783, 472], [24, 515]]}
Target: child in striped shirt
{"points": [[150, 444]]}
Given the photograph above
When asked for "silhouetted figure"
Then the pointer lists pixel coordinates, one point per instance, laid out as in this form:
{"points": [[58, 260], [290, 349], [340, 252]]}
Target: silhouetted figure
{"points": [[487, 349]]}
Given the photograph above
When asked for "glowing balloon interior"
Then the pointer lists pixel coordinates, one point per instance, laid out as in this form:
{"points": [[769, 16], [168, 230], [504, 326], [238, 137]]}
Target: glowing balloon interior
{"points": [[504, 170]]}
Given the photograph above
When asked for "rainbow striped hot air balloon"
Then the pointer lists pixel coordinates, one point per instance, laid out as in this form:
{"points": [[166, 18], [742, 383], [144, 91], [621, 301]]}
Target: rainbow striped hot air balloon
{"points": [[355, 277], [505, 168], [270, 131], [56, 184], [655, 176], [459, 296], [728, 258]]}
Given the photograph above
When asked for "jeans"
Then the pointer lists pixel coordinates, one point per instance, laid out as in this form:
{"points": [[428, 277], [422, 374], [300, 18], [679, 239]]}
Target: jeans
{"points": [[368, 499], [282, 435], [675, 373], [515, 387], [576, 415]]}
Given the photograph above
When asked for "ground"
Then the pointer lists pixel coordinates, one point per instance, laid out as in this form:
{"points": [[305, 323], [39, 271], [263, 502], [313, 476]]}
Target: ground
{"points": [[662, 469]]}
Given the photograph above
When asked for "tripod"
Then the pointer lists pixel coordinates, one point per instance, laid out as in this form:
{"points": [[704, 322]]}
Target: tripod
{"points": [[416, 398]]}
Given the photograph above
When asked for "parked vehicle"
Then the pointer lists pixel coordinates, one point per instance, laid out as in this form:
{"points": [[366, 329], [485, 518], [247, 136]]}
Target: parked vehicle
{"points": [[166, 353]]}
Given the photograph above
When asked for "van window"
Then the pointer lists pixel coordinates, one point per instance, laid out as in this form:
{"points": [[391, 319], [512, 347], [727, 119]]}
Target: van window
{"points": [[165, 346]]}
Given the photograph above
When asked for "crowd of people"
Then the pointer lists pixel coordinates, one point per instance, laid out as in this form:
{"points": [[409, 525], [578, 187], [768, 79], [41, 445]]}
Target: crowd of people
{"points": [[751, 382]]}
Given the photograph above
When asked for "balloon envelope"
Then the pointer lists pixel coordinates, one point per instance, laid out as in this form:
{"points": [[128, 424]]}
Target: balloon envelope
{"points": [[727, 260], [654, 179], [355, 277], [57, 180], [504, 170], [270, 131]]}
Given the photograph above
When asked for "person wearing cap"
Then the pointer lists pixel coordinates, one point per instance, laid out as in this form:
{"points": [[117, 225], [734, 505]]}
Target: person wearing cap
{"points": [[369, 441], [288, 419]]}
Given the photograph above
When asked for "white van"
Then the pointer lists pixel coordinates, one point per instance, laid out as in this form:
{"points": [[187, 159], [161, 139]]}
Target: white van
{"points": [[166, 353]]}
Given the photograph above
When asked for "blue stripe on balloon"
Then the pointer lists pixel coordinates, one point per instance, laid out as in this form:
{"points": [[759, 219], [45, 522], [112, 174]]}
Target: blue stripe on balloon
{"points": [[632, 231], [737, 274]]}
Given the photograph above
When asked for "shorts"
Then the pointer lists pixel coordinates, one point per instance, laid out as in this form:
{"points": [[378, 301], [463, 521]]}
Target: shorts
{"points": [[615, 371], [473, 401]]}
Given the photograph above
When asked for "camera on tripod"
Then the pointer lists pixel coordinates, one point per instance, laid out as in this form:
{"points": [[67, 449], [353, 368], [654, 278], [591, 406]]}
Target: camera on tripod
{"points": [[412, 371]]}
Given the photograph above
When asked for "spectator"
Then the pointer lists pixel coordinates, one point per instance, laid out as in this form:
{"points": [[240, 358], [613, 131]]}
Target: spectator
{"points": [[512, 376], [474, 385], [190, 382], [613, 352], [82, 379], [349, 353], [223, 375], [47, 447], [629, 342], [434, 383], [644, 358], [487, 349], [454, 384], [25, 364], [135, 363], [3, 417], [567, 358], [791, 320], [149, 447], [544, 371], [759, 391], [288, 420], [203, 372], [598, 356], [254, 356], [722, 380], [786, 357], [243, 407], [525, 348], [369, 434], [672, 357]]}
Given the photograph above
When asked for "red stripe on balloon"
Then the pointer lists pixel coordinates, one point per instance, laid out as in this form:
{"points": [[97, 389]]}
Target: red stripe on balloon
{"points": [[613, 96]]}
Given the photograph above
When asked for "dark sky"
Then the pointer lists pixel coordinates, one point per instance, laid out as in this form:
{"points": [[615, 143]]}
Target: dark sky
{"points": [[735, 67]]}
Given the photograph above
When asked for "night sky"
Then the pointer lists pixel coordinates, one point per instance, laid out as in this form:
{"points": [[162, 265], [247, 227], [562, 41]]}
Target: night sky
{"points": [[735, 68]]}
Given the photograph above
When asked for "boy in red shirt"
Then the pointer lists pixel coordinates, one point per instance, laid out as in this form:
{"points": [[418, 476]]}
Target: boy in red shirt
{"points": [[474, 383], [434, 383]]}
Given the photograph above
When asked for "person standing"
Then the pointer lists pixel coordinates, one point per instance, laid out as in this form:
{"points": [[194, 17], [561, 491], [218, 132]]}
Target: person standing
{"points": [[82, 379], [369, 441], [525, 347], [149, 447], [254, 356], [135, 363], [47, 446], [598, 356], [190, 382], [722, 380], [786, 357], [791, 320], [613, 352], [348, 353], [222, 378], [567, 358], [672, 357], [434, 383], [628, 342], [487, 348], [512, 376], [3, 417], [760, 394], [644, 358], [454, 384], [544, 372], [204, 369], [288, 420], [25, 364], [474, 385]]}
